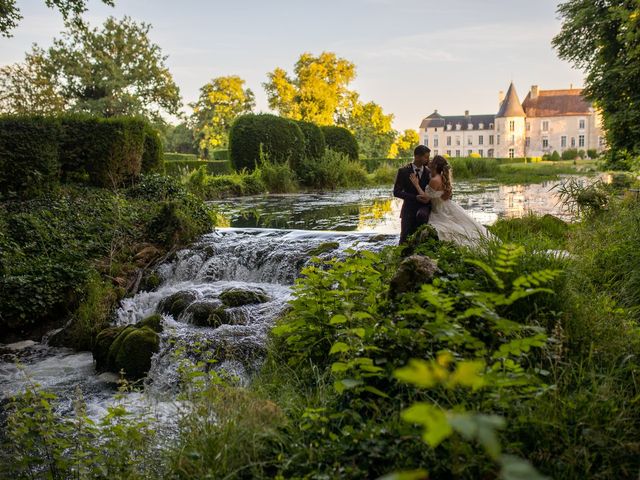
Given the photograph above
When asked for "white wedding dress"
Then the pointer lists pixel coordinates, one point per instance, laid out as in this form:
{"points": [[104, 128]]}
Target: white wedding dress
{"points": [[452, 222]]}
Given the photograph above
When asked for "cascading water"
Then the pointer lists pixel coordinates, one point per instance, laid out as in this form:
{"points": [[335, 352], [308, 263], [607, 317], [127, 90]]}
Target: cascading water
{"points": [[260, 260]]}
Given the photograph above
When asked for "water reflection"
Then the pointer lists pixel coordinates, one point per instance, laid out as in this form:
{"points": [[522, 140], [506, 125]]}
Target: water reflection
{"points": [[376, 210]]}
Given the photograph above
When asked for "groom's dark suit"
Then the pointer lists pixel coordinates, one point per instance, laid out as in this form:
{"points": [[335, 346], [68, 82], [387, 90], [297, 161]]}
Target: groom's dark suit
{"points": [[404, 189]]}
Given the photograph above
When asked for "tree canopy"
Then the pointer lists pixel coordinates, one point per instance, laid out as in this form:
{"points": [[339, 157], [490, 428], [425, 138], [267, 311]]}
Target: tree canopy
{"points": [[221, 101], [603, 38], [404, 144], [115, 70], [10, 13]]}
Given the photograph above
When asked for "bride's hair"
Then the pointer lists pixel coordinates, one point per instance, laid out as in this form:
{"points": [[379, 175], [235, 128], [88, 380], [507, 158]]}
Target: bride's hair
{"points": [[443, 168]]}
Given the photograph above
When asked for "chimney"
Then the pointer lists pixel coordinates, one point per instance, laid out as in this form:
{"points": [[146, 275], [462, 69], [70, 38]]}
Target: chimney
{"points": [[500, 98], [534, 92], [466, 113]]}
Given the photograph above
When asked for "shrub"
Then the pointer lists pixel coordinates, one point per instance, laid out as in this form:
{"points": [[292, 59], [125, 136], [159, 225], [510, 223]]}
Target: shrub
{"points": [[555, 156], [254, 135], [315, 144], [582, 154], [570, 154], [221, 154], [28, 155], [277, 178], [372, 164], [152, 155], [179, 168], [384, 174], [341, 140], [592, 153], [473, 167]]}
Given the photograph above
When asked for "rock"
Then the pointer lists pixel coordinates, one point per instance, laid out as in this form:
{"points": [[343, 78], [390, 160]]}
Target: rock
{"points": [[425, 234], [380, 237], [114, 348], [177, 303], [323, 248], [109, 378], [146, 254], [154, 322], [150, 282], [236, 297], [17, 346], [207, 314], [412, 272], [103, 343], [135, 352]]}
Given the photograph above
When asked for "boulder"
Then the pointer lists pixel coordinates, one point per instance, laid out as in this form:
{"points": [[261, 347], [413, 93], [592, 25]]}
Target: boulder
{"points": [[412, 272], [101, 347], [323, 248], [154, 322], [207, 314], [176, 304], [237, 297], [115, 346], [135, 352]]}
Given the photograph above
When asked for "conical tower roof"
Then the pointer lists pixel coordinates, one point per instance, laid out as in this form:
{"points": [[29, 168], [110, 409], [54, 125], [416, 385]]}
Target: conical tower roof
{"points": [[511, 106]]}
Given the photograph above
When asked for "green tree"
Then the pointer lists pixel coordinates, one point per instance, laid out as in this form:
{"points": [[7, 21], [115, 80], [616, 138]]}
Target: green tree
{"points": [[221, 101], [10, 13], [317, 92], [602, 37], [404, 144], [180, 138], [370, 125], [113, 71]]}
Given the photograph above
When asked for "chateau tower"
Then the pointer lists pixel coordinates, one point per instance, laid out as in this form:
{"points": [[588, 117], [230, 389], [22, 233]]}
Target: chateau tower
{"points": [[510, 126]]}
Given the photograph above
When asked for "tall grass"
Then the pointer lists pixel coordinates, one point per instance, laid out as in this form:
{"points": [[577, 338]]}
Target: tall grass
{"points": [[464, 168]]}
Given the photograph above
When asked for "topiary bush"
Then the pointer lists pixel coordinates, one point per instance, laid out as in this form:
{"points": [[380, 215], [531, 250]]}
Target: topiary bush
{"points": [[28, 155], [555, 156], [152, 155], [570, 154], [263, 135], [315, 144], [341, 140]]}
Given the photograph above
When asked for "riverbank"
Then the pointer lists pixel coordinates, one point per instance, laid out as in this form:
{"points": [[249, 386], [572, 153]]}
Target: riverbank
{"points": [[384, 362]]}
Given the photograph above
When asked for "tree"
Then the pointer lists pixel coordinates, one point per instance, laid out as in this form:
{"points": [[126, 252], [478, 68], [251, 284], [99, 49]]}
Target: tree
{"points": [[370, 125], [10, 13], [404, 144], [179, 139], [603, 38], [108, 72], [221, 101], [316, 93]]}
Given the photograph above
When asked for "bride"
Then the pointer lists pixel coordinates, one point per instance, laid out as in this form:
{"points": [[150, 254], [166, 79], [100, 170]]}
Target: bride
{"points": [[448, 218]]}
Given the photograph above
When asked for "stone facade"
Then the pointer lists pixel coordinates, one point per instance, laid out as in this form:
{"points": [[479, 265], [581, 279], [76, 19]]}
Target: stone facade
{"points": [[547, 121]]}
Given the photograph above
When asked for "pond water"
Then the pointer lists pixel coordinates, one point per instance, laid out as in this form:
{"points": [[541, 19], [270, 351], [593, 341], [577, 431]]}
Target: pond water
{"points": [[376, 210]]}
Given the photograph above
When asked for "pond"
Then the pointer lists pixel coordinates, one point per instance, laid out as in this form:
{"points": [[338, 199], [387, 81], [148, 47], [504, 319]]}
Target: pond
{"points": [[376, 210]]}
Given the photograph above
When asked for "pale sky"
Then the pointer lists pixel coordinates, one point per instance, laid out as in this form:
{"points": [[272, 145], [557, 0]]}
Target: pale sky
{"points": [[411, 56]]}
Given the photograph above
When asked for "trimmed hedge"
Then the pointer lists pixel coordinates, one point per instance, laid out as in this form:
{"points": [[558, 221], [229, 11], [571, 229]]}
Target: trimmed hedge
{"points": [[219, 154], [179, 167], [173, 157], [279, 139], [372, 164], [28, 155], [36, 152], [341, 140], [315, 144]]}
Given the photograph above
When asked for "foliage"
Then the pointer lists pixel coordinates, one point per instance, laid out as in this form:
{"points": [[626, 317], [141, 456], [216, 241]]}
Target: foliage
{"points": [[341, 140], [314, 142], [537, 233], [253, 136], [152, 155], [371, 127], [221, 101], [603, 39], [277, 177], [332, 171], [569, 154], [473, 167], [181, 164], [180, 139], [555, 156], [581, 199], [317, 92], [131, 79], [405, 143], [214, 187]]}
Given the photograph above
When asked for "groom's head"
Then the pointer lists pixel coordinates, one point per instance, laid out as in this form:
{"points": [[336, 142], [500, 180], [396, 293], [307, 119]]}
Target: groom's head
{"points": [[421, 155]]}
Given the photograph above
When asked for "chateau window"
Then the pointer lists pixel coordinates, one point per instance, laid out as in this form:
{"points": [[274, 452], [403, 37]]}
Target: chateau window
{"points": [[581, 140], [490, 153], [481, 152], [563, 141], [491, 126], [527, 142], [457, 140], [513, 139], [545, 126], [581, 124], [528, 127], [545, 142], [435, 141], [457, 153], [490, 139], [512, 126], [448, 153], [449, 140], [470, 140], [512, 153], [470, 126], [481, 126], [573, 142], [480, 139], [497, 139]]}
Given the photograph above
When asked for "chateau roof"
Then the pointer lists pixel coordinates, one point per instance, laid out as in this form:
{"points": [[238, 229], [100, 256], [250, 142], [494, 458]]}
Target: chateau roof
{"points": [[510, 106], [437, 120], [556, 103]]}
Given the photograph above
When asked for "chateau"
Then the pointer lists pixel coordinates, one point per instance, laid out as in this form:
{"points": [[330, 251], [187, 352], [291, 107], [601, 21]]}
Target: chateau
{"points": [[547, 121]]}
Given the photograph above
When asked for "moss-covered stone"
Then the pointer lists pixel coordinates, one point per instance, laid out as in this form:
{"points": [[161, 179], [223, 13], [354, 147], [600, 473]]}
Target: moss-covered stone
{"points": [[412, 272], [176, 304], [323, 248], [103, 343], [150, 282], [115, 346], [207, 314], [135, 352], [154, 322], [237, 297]]}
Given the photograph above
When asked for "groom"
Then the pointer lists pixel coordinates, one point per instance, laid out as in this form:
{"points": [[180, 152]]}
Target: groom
{"points": [[412, 202]]}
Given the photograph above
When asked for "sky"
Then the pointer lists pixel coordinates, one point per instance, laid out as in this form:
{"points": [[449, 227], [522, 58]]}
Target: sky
{"points": [[411, 56]]}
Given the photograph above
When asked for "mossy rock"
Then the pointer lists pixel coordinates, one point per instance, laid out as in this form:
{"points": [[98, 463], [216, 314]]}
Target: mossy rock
{"points": [[154, 322], [135, 352], [103, 343], [323, 248], [115, 346], [176, 304], [151, 282], [413, 272], [237, 297], [207, 314]]}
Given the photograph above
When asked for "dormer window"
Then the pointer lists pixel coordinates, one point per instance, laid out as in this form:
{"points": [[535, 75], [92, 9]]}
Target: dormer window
{"points": [[458, 126], [470, 126], [448, 126], [481, 126], [491, 126]]}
